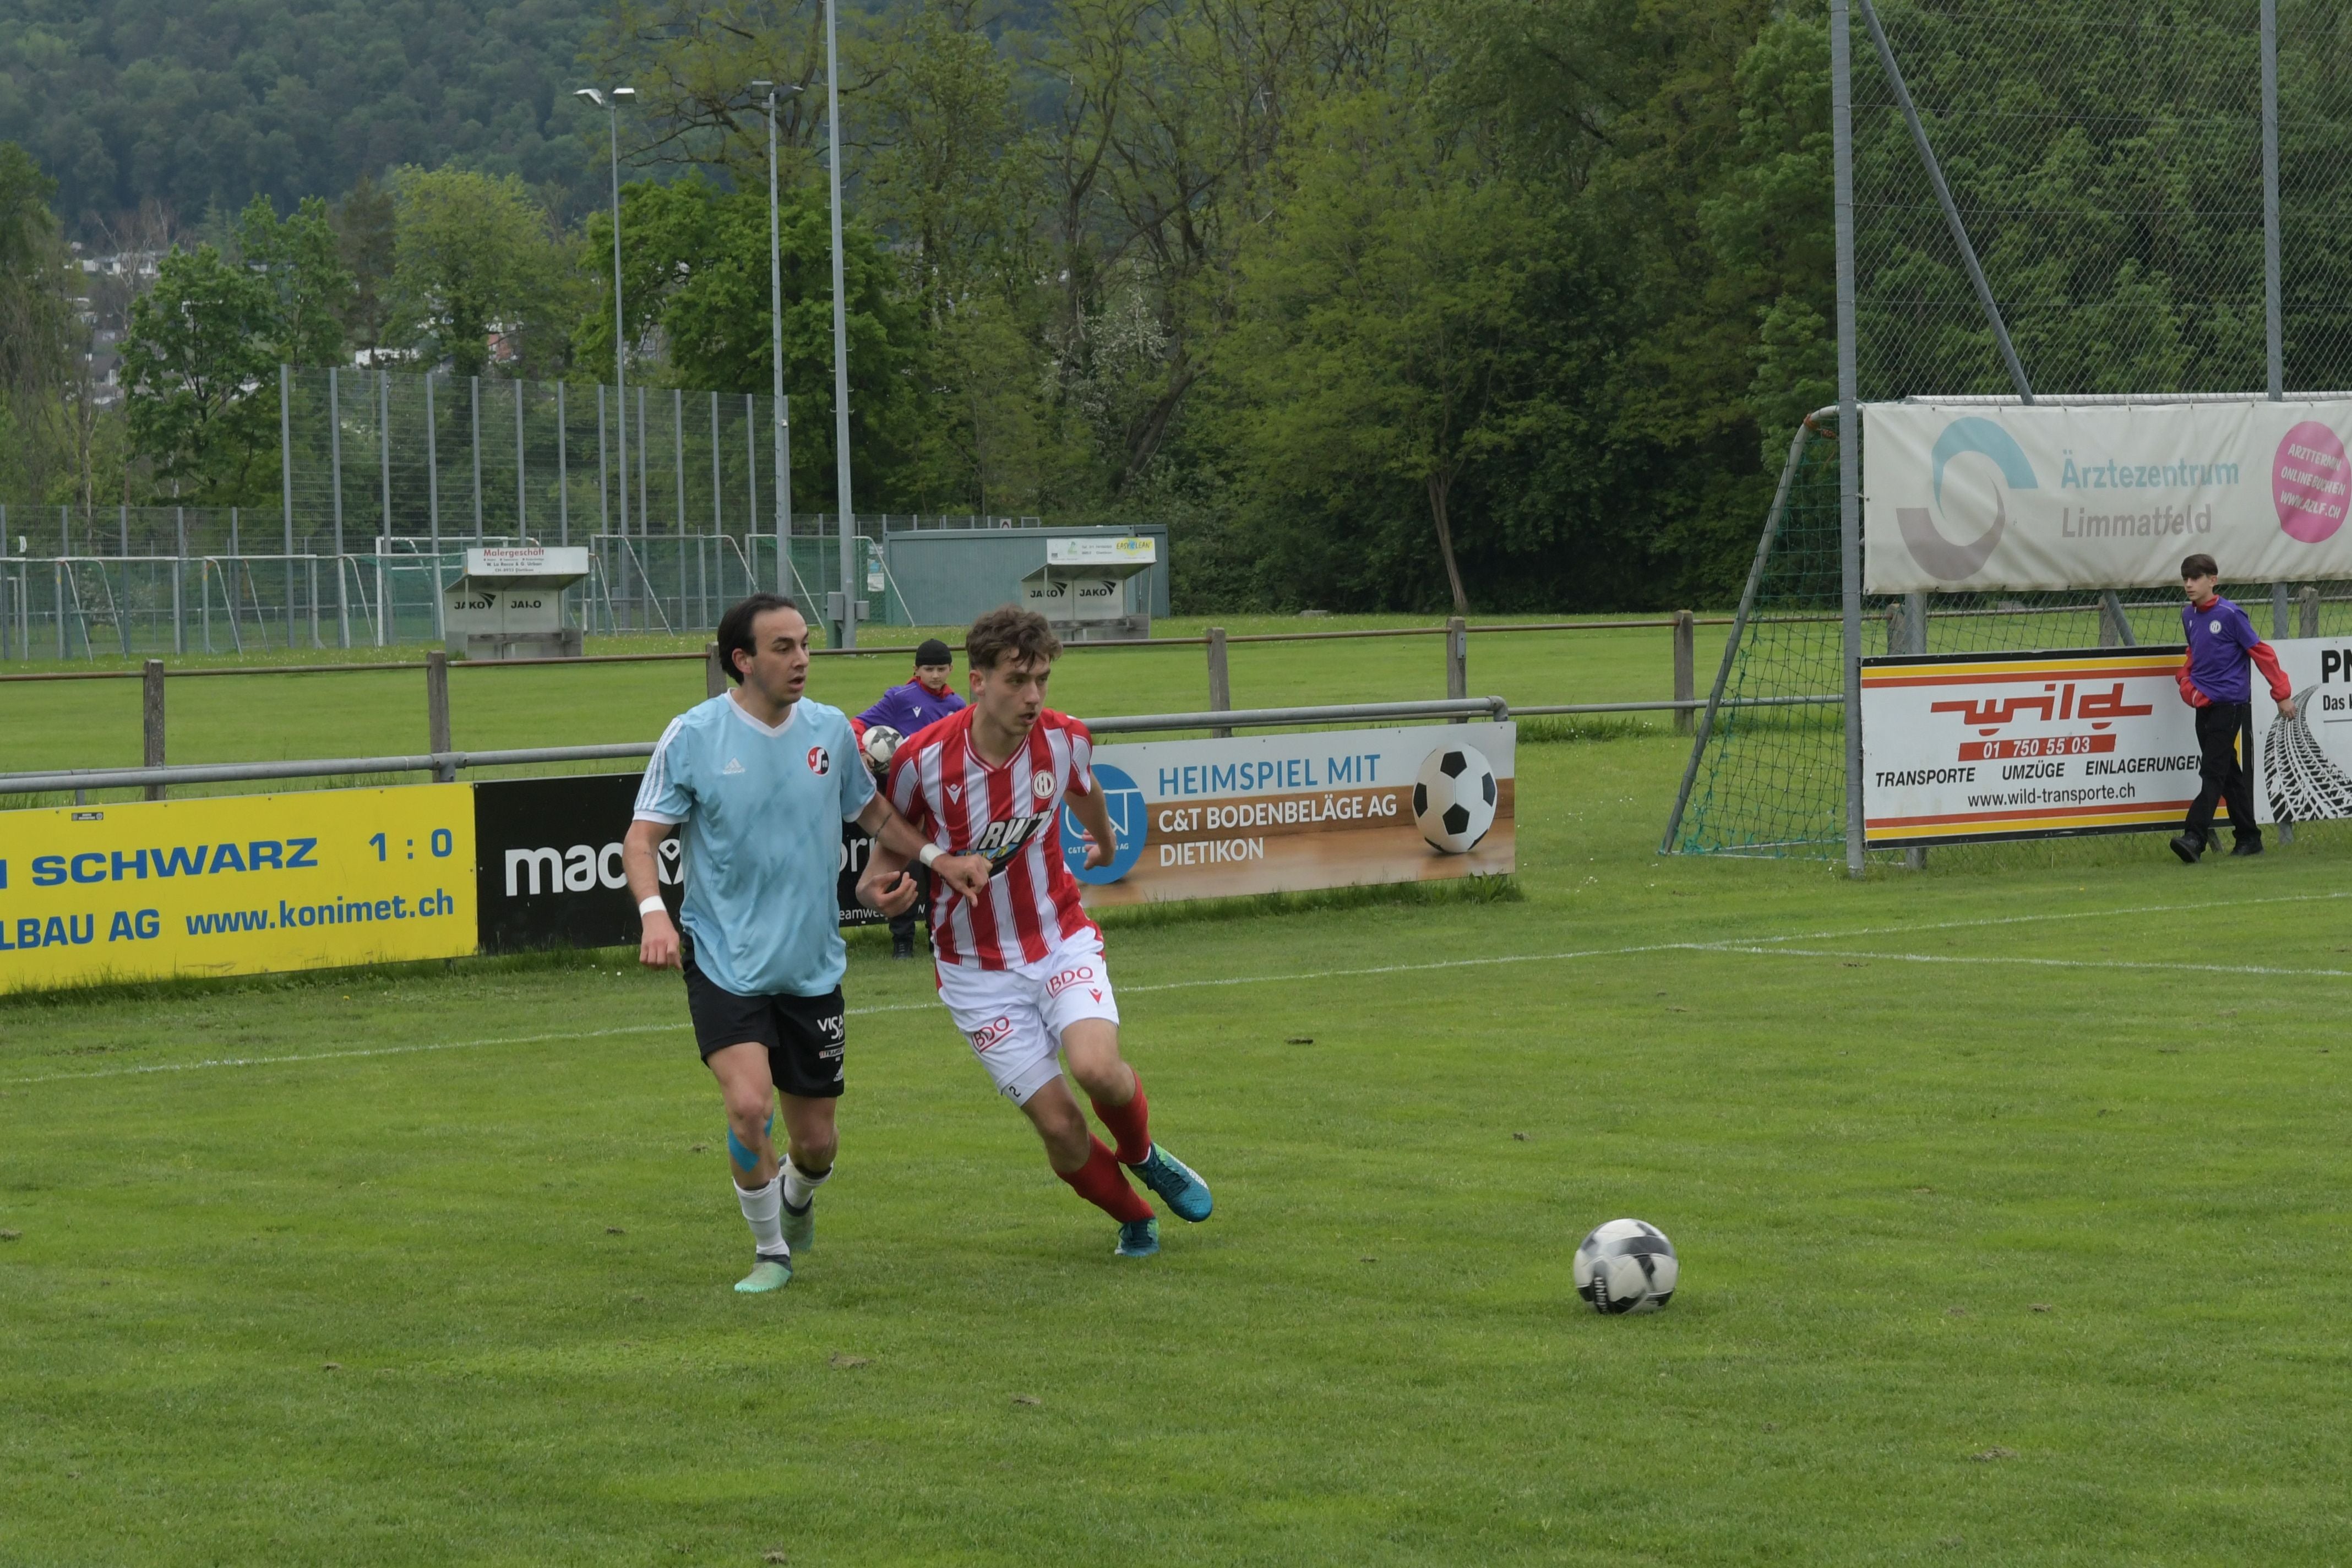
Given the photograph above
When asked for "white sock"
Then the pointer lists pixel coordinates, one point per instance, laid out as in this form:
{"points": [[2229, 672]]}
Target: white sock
{"points": [[798, 1188], [762, 1212]]}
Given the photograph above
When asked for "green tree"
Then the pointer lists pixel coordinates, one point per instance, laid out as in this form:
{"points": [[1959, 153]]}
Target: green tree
{"points": [[301, 261], [366, 228], [696, 270], [474, 255], [37, 336], [200, 375], [1388, 328]]}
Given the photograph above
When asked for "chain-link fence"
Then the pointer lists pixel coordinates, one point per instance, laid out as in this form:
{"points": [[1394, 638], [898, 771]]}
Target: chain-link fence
{"points": [[2106, 161], [387, 478]]}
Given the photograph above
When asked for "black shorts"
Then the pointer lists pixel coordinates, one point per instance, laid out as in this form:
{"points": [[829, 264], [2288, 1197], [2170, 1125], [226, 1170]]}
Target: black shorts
{"points": [[803, 1033]]}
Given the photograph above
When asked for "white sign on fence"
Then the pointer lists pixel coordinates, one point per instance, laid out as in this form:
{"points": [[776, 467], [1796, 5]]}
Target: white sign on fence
{"points": [[1962, 497], [1280, 813], [2024, 745], [1134, 549]]}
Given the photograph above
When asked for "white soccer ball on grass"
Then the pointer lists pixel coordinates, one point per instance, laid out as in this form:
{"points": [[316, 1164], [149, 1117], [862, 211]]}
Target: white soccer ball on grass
{"points": [[1626, 1266], [1454, 798]]}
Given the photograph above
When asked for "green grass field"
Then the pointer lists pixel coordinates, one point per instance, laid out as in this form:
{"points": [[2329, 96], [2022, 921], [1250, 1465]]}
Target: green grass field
{"points": [[96, 723], [2009, 1199]]}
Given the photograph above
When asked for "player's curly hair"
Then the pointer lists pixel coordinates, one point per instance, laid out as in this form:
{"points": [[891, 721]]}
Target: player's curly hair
{"points": [[1009, 630]]}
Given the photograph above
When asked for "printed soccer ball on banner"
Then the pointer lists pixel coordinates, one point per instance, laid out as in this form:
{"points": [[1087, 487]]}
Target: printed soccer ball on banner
{"points": [[1454, 798], [1626, 1266], [881, 743]]}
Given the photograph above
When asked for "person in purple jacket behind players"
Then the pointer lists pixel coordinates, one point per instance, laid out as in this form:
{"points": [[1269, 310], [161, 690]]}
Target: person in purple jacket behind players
{"points": [[920, 703], [2214, 681]]}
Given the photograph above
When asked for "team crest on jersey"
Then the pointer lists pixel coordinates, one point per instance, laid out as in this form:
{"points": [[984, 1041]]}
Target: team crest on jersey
{"points": [[1042, 784], [820, 761]]}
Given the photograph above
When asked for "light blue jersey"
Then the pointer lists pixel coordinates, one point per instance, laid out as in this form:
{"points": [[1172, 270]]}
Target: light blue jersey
{"points": [[760, 814]]}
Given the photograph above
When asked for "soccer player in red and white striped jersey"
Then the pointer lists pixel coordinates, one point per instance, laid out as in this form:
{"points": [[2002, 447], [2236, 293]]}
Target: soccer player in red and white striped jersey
{"points": [[1021, 966]]}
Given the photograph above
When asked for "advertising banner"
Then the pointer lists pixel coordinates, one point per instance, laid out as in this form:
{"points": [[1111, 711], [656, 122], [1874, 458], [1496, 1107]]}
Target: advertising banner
{"points": [[1958, 497], [2304, 772], [551, 871], [1262, 814], [1986, 746], [235, 886]]}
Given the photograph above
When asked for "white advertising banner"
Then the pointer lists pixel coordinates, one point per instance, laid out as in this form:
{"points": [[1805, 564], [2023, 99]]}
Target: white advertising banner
{"points": [[1963, 497], [2024, 745], [2306, 770], [1264, 814]]}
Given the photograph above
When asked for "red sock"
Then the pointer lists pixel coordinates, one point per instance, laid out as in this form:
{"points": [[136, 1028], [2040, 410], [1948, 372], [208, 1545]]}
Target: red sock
{"points": [[1130, 1124], [1102, 1183]]}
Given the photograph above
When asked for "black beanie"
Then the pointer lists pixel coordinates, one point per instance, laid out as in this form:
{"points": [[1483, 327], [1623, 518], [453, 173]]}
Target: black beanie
{"points": [[933, 651]]}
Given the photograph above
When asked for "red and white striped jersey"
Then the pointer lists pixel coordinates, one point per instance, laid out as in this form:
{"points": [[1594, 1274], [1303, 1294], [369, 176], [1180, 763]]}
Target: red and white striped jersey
{"points": [[1011, 814]]}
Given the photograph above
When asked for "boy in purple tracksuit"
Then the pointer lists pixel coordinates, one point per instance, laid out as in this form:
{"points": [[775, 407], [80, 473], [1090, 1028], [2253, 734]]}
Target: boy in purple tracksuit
{"points": [[920, 703], [2213, 681]]}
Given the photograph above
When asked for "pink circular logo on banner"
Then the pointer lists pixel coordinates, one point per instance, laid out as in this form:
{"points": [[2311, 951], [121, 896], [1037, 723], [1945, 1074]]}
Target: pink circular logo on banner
{"points": [[2311, 481]]}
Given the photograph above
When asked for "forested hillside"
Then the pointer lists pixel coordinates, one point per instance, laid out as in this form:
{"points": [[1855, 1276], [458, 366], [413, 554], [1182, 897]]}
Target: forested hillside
{"points": [[204, 103]]}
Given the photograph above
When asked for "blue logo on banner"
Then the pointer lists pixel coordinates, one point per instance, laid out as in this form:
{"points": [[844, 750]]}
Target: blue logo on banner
{"points": [[1130, 815]]}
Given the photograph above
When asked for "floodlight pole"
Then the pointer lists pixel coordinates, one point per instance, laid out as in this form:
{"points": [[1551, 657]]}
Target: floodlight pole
{"points": [[840, 333], [610, 104], [783, 408]]}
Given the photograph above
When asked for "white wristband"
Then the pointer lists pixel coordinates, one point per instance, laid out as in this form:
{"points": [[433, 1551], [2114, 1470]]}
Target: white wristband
{"points": [[653, 906], [928, 853]]}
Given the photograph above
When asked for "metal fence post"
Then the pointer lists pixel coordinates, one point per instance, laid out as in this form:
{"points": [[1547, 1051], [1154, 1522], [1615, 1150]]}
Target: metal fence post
{"points": [[1913, 616], [285, 428], [2308, 611], [1685, 669], [179, 583], [383, 535], [437, 712], [1457, 659], [2278, 609], [1220, 685], [714, 674], [1849, 432], [2273, 305], [433, 501], [475, 407], [784, 492], [644, 519], [563, 475], [522, 505], [335, 461], [150, 719]]}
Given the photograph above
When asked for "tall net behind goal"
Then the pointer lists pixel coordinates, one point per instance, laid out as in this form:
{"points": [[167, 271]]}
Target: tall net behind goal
{"points": [[2105, 159]]}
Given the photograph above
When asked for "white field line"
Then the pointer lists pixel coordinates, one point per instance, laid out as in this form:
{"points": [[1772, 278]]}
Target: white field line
{"points": [[682, 1026], [2034, 920], [2030, 962], [1763, 946]]}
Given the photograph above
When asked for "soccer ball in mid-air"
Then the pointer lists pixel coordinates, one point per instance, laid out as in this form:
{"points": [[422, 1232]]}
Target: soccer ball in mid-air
{"points": [[1626, 1266], [881, 743], [1454, 798]]}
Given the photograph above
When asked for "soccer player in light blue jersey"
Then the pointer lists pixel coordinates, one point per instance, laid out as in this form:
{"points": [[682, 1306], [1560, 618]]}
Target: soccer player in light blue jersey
{"points": [[757, 782]]}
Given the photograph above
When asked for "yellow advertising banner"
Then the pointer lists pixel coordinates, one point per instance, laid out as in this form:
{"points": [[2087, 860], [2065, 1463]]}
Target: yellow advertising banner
{"points": [[238, 885]]}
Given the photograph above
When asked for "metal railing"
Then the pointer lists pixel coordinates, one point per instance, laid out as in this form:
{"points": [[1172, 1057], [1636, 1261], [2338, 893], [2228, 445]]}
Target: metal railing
{"points": [[448, 765]]}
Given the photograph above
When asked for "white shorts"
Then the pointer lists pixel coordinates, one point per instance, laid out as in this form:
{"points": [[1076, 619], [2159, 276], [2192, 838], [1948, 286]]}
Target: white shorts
{"points": [[1014, 1018]]}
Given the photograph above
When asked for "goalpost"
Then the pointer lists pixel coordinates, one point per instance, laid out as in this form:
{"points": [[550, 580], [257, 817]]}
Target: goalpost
{"points": [[1775, 767]]}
